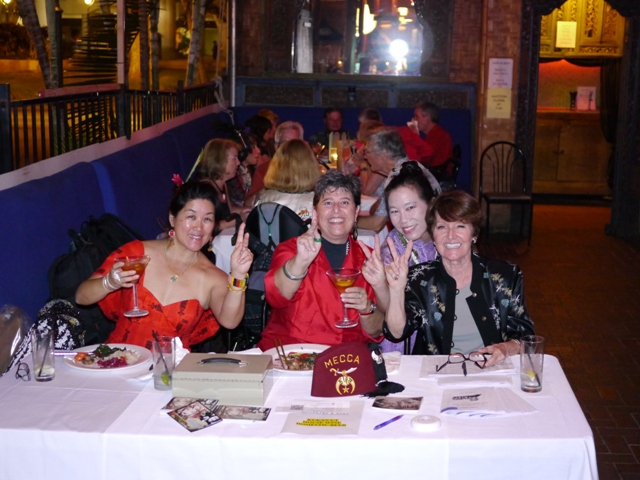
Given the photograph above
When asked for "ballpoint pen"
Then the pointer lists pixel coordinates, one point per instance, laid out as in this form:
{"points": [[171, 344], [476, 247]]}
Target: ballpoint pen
{"points": [[464, 368], [384, 424]]}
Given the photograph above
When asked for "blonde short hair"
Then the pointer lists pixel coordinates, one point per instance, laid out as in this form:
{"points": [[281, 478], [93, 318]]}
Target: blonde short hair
{"points": [[293, 168], [214, 157]]}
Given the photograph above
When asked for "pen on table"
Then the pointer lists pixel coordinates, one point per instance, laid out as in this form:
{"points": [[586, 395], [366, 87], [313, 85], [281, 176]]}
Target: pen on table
{"points": [[384, 424], [464, 368]]}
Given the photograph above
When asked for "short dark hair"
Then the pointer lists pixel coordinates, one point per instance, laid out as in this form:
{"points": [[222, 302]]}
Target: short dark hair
{"points": [[192, 190], [329, 110], [258, 125], [387, 140], [336, 180], [456, 206], [411, 176], [429, 108]]}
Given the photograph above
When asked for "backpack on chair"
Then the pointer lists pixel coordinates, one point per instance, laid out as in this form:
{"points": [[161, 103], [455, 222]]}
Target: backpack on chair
{"points": [[98, 237], [268, 224]]}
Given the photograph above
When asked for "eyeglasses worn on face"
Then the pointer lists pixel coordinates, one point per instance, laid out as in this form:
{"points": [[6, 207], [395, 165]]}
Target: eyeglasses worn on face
{"points": [[23, 372], [478, 358]]}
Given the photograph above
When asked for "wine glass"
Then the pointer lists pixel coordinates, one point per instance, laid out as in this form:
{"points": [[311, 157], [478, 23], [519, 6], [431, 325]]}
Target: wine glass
{"points": [[344, 278], [137, 263]]}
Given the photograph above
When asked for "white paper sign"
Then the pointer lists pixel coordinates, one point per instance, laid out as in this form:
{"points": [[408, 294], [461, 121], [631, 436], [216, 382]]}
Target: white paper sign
{"points": [[500, 73], [586, 99], [566, 35]]}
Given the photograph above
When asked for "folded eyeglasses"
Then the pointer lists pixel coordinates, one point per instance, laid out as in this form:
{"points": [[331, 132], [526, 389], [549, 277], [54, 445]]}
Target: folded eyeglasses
{"points": [[478, 358], [23, 372]]}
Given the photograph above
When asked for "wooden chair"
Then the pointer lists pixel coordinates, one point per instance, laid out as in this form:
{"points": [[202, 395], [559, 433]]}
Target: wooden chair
{"points": [[505, 167]]}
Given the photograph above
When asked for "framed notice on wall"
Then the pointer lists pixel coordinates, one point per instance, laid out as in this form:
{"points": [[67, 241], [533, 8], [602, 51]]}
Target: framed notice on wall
{"points": [[566, 35]]}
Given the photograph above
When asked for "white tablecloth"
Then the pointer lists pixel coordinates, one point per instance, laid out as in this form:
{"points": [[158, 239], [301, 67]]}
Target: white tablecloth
{"points": [[222, 245], [102, 425]]}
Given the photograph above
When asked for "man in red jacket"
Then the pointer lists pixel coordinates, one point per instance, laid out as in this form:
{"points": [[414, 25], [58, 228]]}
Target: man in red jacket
{"points": [[425, 123]]}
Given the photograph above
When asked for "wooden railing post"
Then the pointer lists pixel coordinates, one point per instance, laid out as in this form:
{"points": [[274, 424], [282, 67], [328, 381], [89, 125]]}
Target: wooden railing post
{"points": [[180, 98], [6, 150]]}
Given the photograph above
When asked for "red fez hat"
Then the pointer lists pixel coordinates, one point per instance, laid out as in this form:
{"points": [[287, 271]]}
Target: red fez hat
{"points": [[343, 370]]}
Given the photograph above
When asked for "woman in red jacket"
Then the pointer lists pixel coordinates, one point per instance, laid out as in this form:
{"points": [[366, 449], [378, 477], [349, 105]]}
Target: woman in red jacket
{"points": [[305, 303]]}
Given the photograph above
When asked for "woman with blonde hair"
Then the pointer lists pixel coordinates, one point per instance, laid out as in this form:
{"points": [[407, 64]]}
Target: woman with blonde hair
{"points": [[291, 178]]}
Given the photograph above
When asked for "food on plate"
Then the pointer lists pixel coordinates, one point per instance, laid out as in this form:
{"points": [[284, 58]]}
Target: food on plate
{"points": [[105, 356], [301, 361]]}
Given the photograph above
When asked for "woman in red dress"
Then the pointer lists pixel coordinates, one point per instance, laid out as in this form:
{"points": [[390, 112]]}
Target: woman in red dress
{"points": [[186, 295]]}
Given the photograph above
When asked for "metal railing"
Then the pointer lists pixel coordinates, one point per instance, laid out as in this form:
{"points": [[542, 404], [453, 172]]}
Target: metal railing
{"points": [[70, 118]]}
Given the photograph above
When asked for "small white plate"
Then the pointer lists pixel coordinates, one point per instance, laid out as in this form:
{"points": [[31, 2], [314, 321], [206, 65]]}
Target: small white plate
{"points": [[298, 348], [144, 355]]}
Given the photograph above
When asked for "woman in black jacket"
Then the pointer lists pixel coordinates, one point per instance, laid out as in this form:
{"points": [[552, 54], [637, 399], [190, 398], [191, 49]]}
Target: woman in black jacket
{"points": [[460, 302]]}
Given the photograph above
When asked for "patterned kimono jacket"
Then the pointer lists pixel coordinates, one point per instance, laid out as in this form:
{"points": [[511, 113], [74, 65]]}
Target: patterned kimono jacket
{"points": [[496, 304]]}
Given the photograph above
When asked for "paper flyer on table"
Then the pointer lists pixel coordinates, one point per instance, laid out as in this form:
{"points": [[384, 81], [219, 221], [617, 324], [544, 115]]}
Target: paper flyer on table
{"points": [[431, 362], [324, 418], [483, 402]]}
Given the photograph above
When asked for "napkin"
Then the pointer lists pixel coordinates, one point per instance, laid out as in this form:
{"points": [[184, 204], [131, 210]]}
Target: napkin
{"points": [[392, 361], [181, 352], [474, 381]]}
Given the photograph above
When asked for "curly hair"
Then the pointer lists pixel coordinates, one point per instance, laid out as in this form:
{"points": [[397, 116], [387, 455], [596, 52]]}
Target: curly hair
{"points": [[336, 180]]}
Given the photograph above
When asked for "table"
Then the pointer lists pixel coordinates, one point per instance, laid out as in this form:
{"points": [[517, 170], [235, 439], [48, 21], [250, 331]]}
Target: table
{"points": [[105, 425], [222, 245]]}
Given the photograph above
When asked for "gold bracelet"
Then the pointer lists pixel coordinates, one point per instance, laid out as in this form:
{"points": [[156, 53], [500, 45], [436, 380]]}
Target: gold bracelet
{"points": [[231, 289]]}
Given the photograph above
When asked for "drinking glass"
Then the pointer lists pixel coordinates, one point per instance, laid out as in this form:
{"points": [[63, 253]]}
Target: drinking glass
{"points": [[344, 278], [137, 263], [531, 363]]}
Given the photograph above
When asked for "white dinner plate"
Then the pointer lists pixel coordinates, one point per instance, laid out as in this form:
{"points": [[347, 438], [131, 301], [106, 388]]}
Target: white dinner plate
{"points": [[143, 353], [298, 348]]}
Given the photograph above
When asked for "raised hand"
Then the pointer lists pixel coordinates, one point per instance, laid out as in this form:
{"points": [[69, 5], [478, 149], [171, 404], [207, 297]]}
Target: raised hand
{"points": [[373, 268], [309, 245], [241, 257], [397, 271]]}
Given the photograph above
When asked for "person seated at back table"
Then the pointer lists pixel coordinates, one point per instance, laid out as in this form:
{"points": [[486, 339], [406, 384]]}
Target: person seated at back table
{"points": [[292, 175], [305, 303], [262, 129], [425, 122], [333, 122], [461, 302], [414, 145], [286, 131], [248, 156], [385, 153], [275, 120], [218, 164], [186, 295]]}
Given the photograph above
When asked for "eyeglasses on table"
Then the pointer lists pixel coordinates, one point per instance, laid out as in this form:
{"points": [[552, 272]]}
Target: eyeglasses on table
{"points": [[478, 358], [23, 372]]}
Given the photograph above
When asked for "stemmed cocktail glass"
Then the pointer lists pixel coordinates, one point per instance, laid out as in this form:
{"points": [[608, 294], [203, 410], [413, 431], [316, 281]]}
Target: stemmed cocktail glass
{"points": [[344, 278], [137, 263]]}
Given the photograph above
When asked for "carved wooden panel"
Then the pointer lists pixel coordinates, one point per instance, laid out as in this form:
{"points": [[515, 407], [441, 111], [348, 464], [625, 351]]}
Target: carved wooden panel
{"points": [[599, 32], [442, 98], [278, 95]]}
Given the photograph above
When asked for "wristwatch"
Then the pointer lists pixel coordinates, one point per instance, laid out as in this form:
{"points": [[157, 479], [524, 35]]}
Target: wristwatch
{"points": [[371, 310]]}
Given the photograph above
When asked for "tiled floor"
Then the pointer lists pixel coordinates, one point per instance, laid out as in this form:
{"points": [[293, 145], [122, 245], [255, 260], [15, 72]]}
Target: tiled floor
{"points": [[582, 290]]}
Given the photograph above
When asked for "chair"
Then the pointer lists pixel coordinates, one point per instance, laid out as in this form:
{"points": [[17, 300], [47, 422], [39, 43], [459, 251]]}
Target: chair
{"points": [[504, 165], [447, 173], [268, 224]]}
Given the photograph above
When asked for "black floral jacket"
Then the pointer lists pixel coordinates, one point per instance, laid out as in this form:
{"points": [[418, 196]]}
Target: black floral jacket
{"points": [[496, 304]]}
